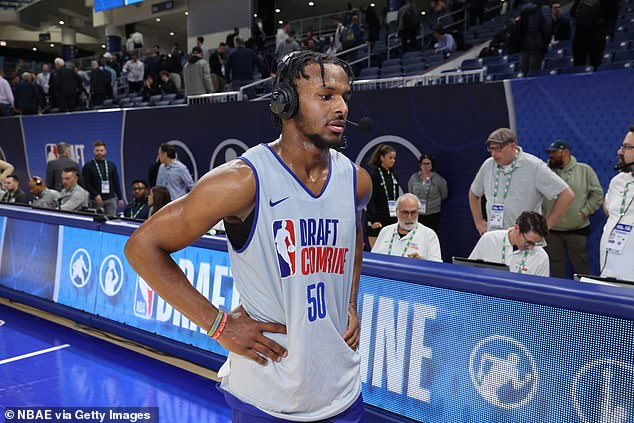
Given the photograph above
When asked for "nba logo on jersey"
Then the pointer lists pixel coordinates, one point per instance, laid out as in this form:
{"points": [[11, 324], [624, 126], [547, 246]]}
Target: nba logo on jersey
{"points": [[143, 299], [285, 246]]}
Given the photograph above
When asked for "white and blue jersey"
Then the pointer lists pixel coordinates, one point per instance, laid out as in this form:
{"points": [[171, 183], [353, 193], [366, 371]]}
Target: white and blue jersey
{"points": [[296, 269]]}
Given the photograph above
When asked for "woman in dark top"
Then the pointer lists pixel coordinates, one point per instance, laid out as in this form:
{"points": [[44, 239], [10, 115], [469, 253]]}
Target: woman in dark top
{"points": [[159, 197], [431, 190], [385, 191]]}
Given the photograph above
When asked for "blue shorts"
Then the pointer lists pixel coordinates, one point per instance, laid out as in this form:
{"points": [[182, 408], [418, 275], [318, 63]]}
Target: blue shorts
{"points": [[241, 412]]}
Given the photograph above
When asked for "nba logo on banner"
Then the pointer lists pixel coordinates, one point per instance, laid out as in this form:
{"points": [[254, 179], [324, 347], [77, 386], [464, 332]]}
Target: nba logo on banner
{"points": [[285, 246], [143, 299]]}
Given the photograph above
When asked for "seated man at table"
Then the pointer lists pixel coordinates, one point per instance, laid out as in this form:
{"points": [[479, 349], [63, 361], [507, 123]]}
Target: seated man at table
{"points": [[520, 247], [73, 197], [407, 237]]}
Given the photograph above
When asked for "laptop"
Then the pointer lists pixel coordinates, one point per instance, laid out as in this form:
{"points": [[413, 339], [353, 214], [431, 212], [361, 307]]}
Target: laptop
{"points": [[479, 263], [602, 281]]}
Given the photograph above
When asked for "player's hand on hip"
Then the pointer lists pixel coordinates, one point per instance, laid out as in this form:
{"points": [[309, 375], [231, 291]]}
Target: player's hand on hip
{"points": [[351, 334], [244, 336]]}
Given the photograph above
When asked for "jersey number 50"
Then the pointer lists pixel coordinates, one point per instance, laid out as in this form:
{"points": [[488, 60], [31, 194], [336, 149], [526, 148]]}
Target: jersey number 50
{"points": [[316, 301]]}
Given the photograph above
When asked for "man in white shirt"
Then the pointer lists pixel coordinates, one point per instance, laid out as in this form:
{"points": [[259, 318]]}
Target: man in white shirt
{"points": [[513, 181], [407, 237], [617, 238], [520, 247]]}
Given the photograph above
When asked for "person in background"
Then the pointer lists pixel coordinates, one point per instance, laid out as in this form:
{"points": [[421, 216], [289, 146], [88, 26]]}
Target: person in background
{"points": [[12, 191], [55, 167], [520, 247], [431, 190], [42, 196], [6, 96], [408, 237], [159, 197], [569, 237], [385, 190], [617, 240], [72, 197], [139, 207]]}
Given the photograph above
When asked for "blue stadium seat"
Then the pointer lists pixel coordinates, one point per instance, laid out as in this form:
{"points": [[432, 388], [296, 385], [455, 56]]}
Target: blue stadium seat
{"points": [[155, 99], [501, 68], [615, 66], [556, 53], [624, 36], [141, 104], [392, 74], [412, 60], [471, 64], [576, 69], [179, 101], [136, 99], [169, 97], [494, 60], [163, 103], [544, 72], [561, 62], [390, 69], [370, 72], [511, 58], [391, 62], [503, 76], [108, 103], [622, 56], [414, 68], [411, 55]]}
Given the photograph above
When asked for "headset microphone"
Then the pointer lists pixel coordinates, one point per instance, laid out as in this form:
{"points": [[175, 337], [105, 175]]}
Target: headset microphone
{"points": [[365, 124], [623, 166]]}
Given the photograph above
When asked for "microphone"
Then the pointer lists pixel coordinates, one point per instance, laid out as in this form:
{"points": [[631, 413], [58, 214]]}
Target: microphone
{"points": [[365, 124], [623, 166]]}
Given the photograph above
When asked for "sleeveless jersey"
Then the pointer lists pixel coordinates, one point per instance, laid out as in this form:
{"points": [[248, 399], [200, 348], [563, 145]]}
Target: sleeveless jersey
{"points": [[296, 269]]}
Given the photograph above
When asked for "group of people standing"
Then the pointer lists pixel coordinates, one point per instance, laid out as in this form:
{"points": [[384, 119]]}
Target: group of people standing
{"points": [[519, 205]]}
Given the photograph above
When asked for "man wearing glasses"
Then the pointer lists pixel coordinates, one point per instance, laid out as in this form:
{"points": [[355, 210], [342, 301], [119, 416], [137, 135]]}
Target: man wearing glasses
{"points": [[407, 237], [617, 243], [512, 182], [520, 248]]}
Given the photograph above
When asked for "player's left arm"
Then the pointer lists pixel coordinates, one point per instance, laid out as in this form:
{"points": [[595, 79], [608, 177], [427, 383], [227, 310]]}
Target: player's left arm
{"points": [[364, 190]]}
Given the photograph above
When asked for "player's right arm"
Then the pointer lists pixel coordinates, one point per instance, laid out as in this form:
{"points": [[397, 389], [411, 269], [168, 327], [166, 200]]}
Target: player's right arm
{"points": [[225, 192]]}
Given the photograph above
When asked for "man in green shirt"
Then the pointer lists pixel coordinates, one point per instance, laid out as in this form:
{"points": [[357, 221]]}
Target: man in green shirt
{"points": [[570, 235]]}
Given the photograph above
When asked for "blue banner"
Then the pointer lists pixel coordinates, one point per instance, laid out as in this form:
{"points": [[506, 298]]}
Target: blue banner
{"points": [[27, 265], [95, 276], [80, 130], [436, 355]]}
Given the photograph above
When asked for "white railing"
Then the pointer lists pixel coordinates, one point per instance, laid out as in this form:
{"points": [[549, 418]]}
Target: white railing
{"points": [[214, 98], [457, 77], [363, 46], [253, 85]]}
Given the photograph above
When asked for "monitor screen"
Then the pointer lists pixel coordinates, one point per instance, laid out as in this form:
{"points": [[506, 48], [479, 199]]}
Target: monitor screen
{"points": [[101, 5], [479, 263]]}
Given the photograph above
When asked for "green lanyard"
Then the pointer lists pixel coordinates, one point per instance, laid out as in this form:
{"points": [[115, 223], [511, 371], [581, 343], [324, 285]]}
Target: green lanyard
{"points": [[409, 241], [385, 185], [427, 187], [522, 263], [566, 176], [99, 170], [627, 188], [508, 180]]}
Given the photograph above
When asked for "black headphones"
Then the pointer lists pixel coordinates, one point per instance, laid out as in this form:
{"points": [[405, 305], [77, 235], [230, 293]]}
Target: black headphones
{"points": [[284, 98]]}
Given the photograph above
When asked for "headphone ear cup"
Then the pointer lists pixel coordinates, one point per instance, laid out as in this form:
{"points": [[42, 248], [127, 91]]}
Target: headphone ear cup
{"points": [[284, 101]]}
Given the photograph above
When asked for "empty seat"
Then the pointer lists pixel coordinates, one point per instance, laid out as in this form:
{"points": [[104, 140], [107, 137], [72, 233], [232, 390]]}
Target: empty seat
{"points": [[471, 64], [544, 72], [497, 69], [561, 62], [179, 101], [393, 74], [391, 62], [493, 60], [370, 72], [108, 103], [414, 68], [390, 69], [141, 104], [413, 59], [163, 103], [577, 69], [169, 97], [622, 56], [155, 99], [411, 55], [615, 66]]}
